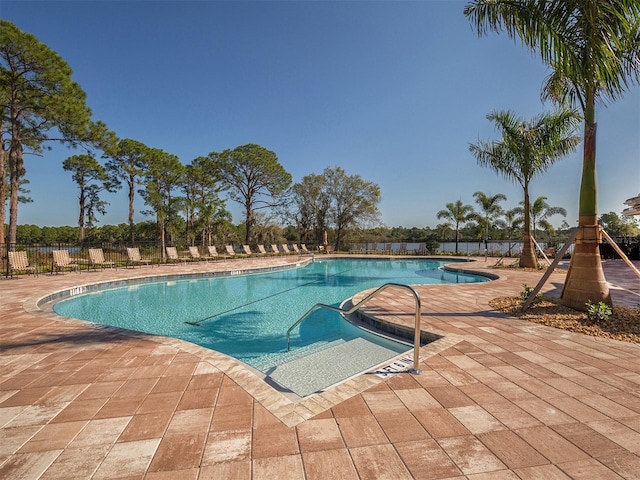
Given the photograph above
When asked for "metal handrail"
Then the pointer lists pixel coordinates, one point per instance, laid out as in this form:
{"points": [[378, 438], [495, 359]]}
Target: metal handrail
{"points": [[416, 340]]}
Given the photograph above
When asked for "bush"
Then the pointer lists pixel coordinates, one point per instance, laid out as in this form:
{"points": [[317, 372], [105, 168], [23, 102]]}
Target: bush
{"points": [[526, 291], [598, 311]]}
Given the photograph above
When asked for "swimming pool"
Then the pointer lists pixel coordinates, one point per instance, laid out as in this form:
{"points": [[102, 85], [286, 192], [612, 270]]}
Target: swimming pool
{"points": [[247, 316]]}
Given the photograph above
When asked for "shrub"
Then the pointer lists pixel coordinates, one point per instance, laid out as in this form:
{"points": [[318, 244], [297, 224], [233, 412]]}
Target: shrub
{"points": [[598, 311], [526, 291]]}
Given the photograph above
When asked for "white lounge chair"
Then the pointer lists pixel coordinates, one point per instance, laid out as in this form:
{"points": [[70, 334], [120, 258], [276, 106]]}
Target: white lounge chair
{"points": [[230, 251], [247, 250], [96, 258], [135, 258], [262, 250], [213, 252], [18, 262], [62, 261], [274, 249], [172, 254], [285, 249]]}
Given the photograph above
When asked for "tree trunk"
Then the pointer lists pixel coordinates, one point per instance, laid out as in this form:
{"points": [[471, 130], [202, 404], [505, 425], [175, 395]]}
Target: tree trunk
{"points": [[585, 278], [132, 193], [528, 258], [3, 191]]}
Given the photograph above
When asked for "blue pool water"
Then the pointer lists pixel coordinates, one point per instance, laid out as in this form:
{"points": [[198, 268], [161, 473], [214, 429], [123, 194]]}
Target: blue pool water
{"points": [[247, 316]]}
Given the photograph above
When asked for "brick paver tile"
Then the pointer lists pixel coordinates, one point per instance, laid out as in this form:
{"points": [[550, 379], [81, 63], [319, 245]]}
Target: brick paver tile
{"points": [[476, 419], [627, 465], [28, 465], [546, 472], [470, 455], [401, 426], [76, 463], [127, 459], [274, 441], [329, 465], [361, 430], [232, 417], [179, 451], [425, 459], [191, 421], [450, 397], [589, 469], [383, 402], [619, 433], [145, 426], [53, 436], [512, 450], [438, 422], [417, 399], [103, 431], [379, 461], [240, 470], [319, 435], [587, 439], [227, 446], [289, 467], [184, 474], [544, 412], [551, 444], [352, 407]]}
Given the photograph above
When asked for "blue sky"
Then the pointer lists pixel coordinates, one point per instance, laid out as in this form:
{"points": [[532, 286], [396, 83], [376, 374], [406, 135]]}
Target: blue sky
{"points": [[392, 91]]}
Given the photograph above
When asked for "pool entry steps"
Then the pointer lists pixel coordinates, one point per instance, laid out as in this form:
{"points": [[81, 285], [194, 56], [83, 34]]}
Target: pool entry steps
{"points": [[356, 307]]}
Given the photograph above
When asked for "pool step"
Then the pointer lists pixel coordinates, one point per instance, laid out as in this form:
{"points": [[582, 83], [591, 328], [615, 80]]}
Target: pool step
{"points": [[270, 361], [323, 368]]}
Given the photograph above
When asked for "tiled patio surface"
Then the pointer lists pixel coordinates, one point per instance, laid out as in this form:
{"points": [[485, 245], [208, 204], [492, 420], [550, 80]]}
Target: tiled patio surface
{"points": [[498, 398]]}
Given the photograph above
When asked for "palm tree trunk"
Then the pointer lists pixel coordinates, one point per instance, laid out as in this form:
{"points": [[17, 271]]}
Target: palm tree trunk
{"points": [[528, 257], [585, 279]]}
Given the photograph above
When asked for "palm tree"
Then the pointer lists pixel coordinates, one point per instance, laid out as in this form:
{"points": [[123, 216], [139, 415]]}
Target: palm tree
{"points": [[541, 210], [593, 48], [513, 219], [458, 214], [490, 208], [527, 149]]}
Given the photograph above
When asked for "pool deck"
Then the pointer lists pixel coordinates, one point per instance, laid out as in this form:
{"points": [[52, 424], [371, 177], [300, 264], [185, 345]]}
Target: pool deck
{"points": [[498, 397]]}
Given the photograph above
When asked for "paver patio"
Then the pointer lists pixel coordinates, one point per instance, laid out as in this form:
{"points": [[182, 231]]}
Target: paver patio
{"points": [[498, 397]]}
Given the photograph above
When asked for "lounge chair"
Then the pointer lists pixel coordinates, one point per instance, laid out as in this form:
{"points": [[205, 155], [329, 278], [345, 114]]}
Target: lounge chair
{"points": [[274, 249], [195, 254], [213, 252], [230, 251], [285, 249], [172, 253], [247, 250], [133, 253], [262, 250], [61, 260], [18, 262], [96, 258], [295, 248], [303, 247]]}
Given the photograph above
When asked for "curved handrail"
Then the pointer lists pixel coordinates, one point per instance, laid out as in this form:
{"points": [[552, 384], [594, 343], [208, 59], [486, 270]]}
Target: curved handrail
{"points": [[416, 340]]}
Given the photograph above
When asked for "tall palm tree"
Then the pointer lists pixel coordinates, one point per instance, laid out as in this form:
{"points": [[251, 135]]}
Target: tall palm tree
{"points": [[541, 210], [593, 48], [513, 219], [527, 149], [490, 208], [458, 214]]}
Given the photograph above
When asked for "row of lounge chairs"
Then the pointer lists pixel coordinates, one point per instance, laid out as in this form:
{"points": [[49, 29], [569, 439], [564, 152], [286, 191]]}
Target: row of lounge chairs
{"points": [[212, 252], [18, 261]]}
